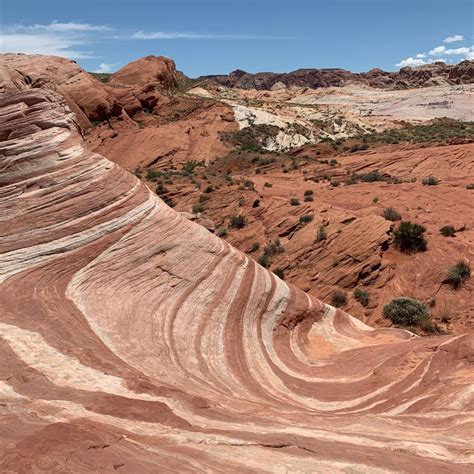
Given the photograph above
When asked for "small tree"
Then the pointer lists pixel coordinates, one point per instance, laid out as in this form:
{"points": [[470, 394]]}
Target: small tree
{"points": [[391, 214], [406, 312], [264, 260], [221, 232], [339, 299], [409, 237], [459, 273]]}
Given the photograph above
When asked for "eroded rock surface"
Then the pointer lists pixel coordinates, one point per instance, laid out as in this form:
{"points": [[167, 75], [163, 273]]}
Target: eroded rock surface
{"points": [[132, 338]]}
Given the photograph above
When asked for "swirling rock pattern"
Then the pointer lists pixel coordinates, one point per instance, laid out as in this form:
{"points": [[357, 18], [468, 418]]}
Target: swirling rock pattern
{"points": [[134, 339]]}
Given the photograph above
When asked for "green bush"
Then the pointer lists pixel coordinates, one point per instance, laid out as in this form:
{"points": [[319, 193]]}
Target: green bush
{"points": [[362, 296], [306, 218], [209, 189], [391, 214], [339, 299], [294, 202], [308, 192], [459, 273], [430, 181], [409, 237], [204, 198], [237, 222], [221, 232], [255, 247], [321, 234], [152, 175], [406, 312], [273, 248], [448, 231], [333, 162], [264, 260], [197, 208], [267, 184], [279, 273], [308, 199]]}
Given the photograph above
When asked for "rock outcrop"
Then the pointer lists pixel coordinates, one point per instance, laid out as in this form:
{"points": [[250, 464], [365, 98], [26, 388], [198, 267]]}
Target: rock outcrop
{"points": [[437, 73], [134, 339]]}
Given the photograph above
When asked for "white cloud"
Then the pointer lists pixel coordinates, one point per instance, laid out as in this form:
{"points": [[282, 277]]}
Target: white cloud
{"points": [[55, 38], [412, 62], [141, 35], [457, 51], [421, 55], [453, 39], [437, 51], [103, 67], [49, 44], [57, 27]]}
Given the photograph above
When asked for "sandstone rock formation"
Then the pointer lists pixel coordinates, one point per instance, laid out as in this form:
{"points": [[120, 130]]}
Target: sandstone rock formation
{"points": [[437, 73], [132, 338]]}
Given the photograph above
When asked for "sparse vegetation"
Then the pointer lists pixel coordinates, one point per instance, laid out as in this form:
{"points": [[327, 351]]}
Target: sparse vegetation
{"points": [[306, 218], [308, 198], [204, 198], [197, 208], [448, 231], [221, 232], [264, 260], [362, 296], [409, 237], [470, 186], [322, 233], [391, 214], [273, 248], [407, 312], [339, 299], [209, 189], [294, 202], [459, 273], [255, 247], [279, 273], [237, 222], [308, 192], [267, 184], [430, 181]]}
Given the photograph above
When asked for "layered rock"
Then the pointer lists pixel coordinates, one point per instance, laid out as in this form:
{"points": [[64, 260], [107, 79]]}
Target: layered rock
{"points": [[437, 73], [134, 339]]}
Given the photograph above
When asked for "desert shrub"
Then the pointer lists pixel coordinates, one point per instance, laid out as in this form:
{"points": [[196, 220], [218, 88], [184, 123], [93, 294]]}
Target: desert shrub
{"points": [[264, 260], [248, 184], [197, 208], [204, 198], [188, 167], [362, 296], [321, 234], [338, 299], [160, 190], [267, 184], [430, 181], [209, 189], [237, 222], [371, 177], [169, 202], [221, 232], [406, 312], [448, 230], [375, 200], [306, 218], [335, 184], [409, 237], [391, 214], [279, 273], [308, 192], [153, 174], [308, 198], [470, 186], [294, 202], [459, 273], [255, 247], [333, 162], [273, 248]]}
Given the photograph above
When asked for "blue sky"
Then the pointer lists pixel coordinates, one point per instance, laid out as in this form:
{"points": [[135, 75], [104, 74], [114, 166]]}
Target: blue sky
{"points": [[218, 36]]}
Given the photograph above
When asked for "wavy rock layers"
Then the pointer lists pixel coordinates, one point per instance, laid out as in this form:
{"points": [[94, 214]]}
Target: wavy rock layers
{"points": [[132, 338]]}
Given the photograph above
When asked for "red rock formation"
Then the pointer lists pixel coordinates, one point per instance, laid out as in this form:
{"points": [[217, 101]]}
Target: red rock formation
{"points": [[134, 339]]}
